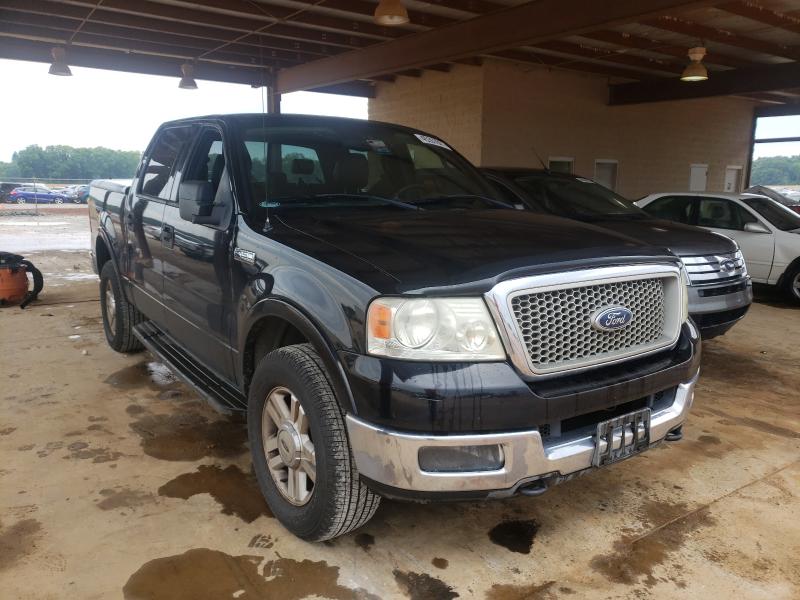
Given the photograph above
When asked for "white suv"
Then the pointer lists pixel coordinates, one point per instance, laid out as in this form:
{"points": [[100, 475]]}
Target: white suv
{"points": [[767, 232]]}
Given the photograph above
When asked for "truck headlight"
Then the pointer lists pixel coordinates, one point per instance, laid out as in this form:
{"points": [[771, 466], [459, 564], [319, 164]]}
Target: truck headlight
{"points": [[686, 282], [443, 329]]}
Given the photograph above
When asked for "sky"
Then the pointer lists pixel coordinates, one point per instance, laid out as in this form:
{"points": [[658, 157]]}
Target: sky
{"points": [[122, 110], [775, 127]]}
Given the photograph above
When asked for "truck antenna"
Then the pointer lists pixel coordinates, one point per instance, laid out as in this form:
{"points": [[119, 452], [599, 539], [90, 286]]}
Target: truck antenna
{"points": [[541, 162]]}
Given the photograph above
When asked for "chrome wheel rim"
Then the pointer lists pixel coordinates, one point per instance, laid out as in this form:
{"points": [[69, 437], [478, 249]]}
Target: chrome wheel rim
{"points": [[796, 285], [111, 306], [288, 447]]}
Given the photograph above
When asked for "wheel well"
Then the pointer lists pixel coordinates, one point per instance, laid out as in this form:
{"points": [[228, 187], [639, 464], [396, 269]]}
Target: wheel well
{"points": [[268, 334], [101, 254], [790, 268]]}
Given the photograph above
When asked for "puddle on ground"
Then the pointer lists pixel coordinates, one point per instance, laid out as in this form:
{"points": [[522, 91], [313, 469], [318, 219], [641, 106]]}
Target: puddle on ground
{"points": [[520, 592], [440, 563], [421, 586], [516, 536], [365, 541], [203, 574], [17, 541], [153, 374], [123, 498], [81, 450], [636, 557], [189, 437], [237, 492]]}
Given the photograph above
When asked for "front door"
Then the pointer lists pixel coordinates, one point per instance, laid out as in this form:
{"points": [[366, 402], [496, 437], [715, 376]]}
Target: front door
{"points": [[728, 218], [144, 216], [197, 289]]}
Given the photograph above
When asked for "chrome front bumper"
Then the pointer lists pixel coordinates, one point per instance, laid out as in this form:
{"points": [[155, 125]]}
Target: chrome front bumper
{"points": [[391, 457]]}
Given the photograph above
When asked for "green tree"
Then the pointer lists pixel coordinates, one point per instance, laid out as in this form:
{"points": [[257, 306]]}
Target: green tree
{"points": [[66, 162], [776, 170]]}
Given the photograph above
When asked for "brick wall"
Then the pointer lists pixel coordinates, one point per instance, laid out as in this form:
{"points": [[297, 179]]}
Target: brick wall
{"points": [[496, 115]]}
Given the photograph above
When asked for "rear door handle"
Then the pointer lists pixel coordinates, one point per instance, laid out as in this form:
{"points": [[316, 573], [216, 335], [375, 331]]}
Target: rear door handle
{"points": [[167, 236]]}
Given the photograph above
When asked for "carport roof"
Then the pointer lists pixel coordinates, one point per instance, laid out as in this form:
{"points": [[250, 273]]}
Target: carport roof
{"points": [[334, 45]]}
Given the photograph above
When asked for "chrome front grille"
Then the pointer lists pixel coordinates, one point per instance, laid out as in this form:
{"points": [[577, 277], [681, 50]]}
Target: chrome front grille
{"points": [[547, 320], [715, 268], [556, 325]]}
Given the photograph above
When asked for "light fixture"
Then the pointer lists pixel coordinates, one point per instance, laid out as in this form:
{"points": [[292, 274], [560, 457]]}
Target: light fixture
{"points": [[695, 71], [187, 81], [59, 66], [391, 12]]}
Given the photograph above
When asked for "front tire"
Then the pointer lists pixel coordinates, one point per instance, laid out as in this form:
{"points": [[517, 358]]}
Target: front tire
{"points": [[792, 285], [119, 315], [301, 454]]}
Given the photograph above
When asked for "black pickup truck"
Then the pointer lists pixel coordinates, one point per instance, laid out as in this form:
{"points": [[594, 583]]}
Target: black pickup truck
{"points": [[388, 325]]}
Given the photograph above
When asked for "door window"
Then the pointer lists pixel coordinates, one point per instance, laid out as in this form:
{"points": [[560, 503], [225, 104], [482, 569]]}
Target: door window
{"points": [[156, 179], [208, 160], [671, 208], [722, 214]]}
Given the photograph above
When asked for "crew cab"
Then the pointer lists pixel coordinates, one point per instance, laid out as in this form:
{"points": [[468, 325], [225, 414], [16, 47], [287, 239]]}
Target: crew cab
{"points": [[720, 291], [389, 327], [767, 231]]}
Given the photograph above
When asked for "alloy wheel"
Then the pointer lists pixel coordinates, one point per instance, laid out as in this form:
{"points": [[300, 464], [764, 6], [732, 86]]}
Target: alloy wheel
{"points": [[288, 446], [111, 306], [796, 285]]}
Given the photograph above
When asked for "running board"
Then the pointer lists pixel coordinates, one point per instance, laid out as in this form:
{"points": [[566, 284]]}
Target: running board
{"points": [[220, 395]]}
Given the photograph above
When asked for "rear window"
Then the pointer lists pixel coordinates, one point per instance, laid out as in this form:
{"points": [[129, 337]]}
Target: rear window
{"points": [[781, 217]]}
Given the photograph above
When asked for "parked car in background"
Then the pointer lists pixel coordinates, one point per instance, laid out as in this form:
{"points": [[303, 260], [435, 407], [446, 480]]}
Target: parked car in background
{"points": [[36, 193], [767, 232], [78, 194], [5, 190], [791, 202], [720, 292]]}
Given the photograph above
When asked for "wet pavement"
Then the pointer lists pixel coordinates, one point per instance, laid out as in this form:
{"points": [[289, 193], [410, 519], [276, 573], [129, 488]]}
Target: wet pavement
{"points": [[116, 481]]}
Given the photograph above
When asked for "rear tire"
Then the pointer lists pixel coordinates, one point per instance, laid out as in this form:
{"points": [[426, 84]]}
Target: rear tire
{"points": [[119, 316], [333, 502], [791, 284]]}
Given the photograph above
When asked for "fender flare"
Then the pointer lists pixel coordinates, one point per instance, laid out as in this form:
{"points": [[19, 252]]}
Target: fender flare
{"points": [[283, 309]]}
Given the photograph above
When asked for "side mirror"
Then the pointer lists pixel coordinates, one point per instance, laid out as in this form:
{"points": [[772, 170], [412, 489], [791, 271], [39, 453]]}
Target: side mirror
{"points": [[196, 202], [756, 227]]}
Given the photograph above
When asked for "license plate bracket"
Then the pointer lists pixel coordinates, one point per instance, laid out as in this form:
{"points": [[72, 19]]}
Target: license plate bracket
{"points": [[621, 437]]}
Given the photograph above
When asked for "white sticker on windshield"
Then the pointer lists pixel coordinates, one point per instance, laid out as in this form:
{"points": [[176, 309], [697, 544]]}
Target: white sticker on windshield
{"points": [[426, 139], [584, 180]]}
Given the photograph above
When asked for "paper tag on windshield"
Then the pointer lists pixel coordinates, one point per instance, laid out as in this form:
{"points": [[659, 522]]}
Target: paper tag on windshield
{"points": [[584, 180], [426, 139]]}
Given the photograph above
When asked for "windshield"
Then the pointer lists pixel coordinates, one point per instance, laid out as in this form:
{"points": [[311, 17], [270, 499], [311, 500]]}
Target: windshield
{"points": [[777, 214], [334, 164], [575, 198]]}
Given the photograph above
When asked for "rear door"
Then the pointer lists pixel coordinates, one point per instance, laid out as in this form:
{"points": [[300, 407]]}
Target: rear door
{"points": [[729, 218], [197, 288], [144, 217]]}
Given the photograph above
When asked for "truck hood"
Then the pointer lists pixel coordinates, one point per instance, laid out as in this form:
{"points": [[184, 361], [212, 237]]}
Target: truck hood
{"points": [[439, 250], [680, 239]]}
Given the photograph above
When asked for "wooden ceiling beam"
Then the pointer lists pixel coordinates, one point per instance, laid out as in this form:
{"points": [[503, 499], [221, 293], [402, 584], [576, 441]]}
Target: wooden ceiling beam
{"points": [[760, 14], [762, 78], [703, 32], [532, 22]]}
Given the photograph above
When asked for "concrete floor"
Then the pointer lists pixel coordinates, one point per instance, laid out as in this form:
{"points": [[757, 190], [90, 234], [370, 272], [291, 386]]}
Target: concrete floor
{"points": [[117, 482]]}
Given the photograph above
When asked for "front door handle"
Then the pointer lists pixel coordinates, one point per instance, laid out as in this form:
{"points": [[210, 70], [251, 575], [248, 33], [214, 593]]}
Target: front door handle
{"points": [[167, 236]]}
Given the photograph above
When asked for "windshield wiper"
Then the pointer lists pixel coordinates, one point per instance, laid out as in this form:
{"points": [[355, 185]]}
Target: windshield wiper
{"points": [[348, 196], [433, 199]]}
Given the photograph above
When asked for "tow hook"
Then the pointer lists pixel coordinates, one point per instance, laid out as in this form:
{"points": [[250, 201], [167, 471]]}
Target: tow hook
{"points": [[675, 435], [537, 488]]}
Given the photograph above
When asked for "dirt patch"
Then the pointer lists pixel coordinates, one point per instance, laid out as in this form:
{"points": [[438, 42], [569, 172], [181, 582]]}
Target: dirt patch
{"points": [[134, 409], [654, 513], [203, 574], [421, 586], [7, 430], [516, 536], [80, 450], [636, 557], [17, 541], [123, 498], [189, 437], [756, 424], [440, 563], [151, 374], [521, 592], [364, 541], [237, 492]]}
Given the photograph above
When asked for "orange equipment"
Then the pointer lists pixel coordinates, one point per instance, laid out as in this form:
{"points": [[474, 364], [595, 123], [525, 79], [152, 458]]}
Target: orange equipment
{"points": [[14, 271]]}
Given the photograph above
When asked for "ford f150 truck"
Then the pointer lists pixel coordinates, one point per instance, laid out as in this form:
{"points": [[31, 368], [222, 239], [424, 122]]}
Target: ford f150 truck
{"points": [[389, 326], [720, 290]]}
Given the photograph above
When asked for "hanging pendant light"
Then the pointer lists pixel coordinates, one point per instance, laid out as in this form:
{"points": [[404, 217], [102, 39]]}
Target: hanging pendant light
{"points": [[187, 81], [391, 12], [695, 70], [59, 65]]}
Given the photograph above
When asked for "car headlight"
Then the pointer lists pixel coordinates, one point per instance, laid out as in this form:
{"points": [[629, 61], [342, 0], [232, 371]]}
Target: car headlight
{"points": [[445, 329]]}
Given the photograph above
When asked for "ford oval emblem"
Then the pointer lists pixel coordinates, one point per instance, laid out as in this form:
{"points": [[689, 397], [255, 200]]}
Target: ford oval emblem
{"points": [[727, 265], [612, 318]]}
